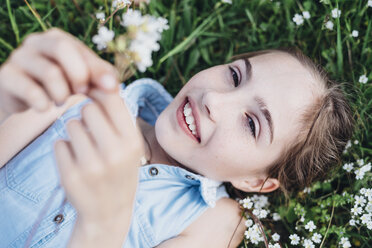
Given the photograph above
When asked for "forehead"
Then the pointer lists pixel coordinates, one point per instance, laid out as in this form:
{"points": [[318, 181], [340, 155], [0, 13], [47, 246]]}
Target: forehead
{"points": [[287, 87]]}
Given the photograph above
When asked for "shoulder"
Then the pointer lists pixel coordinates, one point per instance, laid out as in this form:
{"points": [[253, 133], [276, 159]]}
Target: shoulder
{"points": [[221, 226]]}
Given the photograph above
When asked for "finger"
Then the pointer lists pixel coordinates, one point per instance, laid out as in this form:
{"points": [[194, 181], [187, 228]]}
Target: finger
{"points": [[65, 162], [17, 84], [116, 111], [102, 74], [101, 130], [82, 145], [44, 71], [61, 48]]}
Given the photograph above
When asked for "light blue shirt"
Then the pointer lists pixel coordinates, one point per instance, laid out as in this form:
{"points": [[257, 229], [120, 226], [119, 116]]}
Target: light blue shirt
{"points": [[32, 207]]}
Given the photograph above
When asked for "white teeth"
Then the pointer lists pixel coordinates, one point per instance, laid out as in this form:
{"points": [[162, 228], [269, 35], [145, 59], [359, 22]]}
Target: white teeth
{"points": [[187, 111], [189, 119]]}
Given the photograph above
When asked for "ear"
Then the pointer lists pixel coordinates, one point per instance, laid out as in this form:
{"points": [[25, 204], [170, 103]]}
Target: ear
{"points": [[255, 185]]}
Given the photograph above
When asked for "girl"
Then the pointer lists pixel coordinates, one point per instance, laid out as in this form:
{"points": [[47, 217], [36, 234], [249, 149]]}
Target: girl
{"points": [[267, 120]]}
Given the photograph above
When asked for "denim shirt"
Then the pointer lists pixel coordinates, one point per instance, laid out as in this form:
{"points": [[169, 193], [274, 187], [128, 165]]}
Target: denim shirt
{"points": [[33, 210]]}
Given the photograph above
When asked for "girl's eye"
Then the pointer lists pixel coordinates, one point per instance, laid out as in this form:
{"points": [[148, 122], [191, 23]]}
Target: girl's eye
{"points": [[251, 125], [234, 76]]}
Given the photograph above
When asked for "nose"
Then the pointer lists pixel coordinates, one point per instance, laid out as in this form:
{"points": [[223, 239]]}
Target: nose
{"points": [[213, 102]]}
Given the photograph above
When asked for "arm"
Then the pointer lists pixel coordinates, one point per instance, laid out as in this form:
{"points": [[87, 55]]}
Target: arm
{"points": [[48, 67], [20, 129], [221, 226]]}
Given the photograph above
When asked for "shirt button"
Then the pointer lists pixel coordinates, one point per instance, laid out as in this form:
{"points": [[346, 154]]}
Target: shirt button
{"points": [[153, 171], [190, 177], [58, 218]]}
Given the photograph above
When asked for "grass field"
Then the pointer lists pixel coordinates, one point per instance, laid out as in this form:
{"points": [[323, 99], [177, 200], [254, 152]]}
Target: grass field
{"points": [[206, 33]]}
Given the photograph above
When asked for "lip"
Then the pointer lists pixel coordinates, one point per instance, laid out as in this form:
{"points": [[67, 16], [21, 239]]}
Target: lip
{"points": [[181, 119]]}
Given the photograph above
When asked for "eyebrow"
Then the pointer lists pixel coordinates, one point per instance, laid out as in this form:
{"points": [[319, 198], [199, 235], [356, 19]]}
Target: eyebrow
{"points": [[263, 108], [248, 68], [261, 103]]}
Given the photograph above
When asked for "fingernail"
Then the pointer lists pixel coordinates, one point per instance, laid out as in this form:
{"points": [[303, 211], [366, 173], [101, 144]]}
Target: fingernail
{"points": [[108, 82]]}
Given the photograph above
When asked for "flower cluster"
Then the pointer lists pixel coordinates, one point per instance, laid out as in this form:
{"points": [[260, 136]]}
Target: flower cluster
{"points": [[360, 170], [362, 209], [145, 32], [133, 48], [299, 19], [255, 209]]}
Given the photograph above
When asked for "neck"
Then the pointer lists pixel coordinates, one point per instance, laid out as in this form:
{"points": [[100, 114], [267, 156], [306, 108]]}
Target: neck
{"points": [[154, 153]]}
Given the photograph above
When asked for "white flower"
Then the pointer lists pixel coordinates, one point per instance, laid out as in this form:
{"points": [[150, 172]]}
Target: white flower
{"points": [[306, 14], [360, 200], [369, 3], [368, 194], [348, 144], [356, 210], [276, 237], [132, 18], [355, 33], [295, 239], [359, 174], [308, 243], [298, 19], [253, 234], [307, 190], [348, 167], [247, 203], [248, 223], [366, 167], [260, 201], [276, 245], [365, 218], [100, 16], [345, 242], [352, 222], [368, 208], [360, 162], [145, 32], [363, 79], [369, 225], [329, 25], [276, 216], [263, 214], [256, 212], [121, 3], [103, 37], [317, 238], [310, 226], [302, 218], [227, 1], [336, 13]]}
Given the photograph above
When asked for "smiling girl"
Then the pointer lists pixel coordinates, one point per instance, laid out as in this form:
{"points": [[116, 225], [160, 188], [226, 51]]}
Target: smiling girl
{"points": [[267, 120]]}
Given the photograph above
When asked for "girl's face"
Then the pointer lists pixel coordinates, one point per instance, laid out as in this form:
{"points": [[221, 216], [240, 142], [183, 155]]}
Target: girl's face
{"points": [[245, 114]]}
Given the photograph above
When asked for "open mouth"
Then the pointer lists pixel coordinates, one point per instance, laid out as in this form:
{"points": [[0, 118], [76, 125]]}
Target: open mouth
{"points": [[189, 123]]}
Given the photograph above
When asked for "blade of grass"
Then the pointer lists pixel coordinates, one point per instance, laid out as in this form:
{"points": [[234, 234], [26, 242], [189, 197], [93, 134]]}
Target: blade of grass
{"points": [[364, 51], [37, 16], [339, 46], [12, 21], [180, 47], [6, 44]]}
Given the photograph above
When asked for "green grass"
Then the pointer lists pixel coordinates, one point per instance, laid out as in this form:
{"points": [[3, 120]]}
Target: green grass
{"points": [[206, 33]]}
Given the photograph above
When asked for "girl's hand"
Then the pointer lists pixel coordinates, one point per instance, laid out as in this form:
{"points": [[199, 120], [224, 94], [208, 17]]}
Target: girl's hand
{"points": [[98, 168], [51, 66]]}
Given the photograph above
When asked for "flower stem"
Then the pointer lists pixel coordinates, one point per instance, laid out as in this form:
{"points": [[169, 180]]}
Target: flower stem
{"points": [[329, 225]]}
